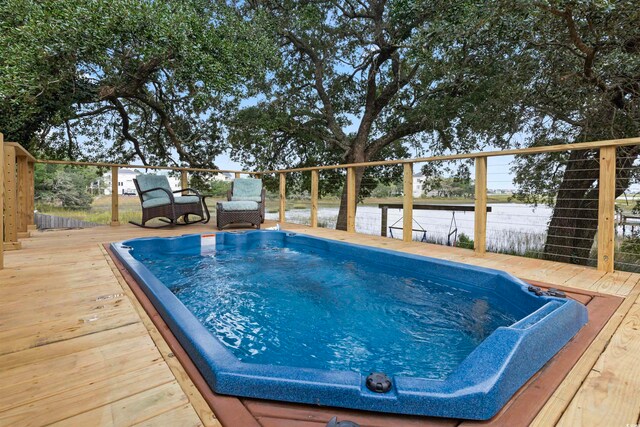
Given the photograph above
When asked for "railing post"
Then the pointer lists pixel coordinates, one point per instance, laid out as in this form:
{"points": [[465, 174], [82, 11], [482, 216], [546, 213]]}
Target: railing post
{"points": [[351, 200], [237, 175], [184, 181], [407, 203], [10, 200], [23, 191], [1, 201], [480, 223], [314, 198], [31, 196], [606, 209], [283, 197], [115, 218], [383, 221]]}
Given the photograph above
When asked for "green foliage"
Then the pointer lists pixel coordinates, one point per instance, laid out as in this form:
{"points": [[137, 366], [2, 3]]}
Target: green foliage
{"points": [[631, 245], [64, 186], [219, 188], [386, 190], [464, 241], [150, 77]]}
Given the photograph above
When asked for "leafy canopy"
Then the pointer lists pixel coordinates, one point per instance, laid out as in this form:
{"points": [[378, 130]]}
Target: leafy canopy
{"points": [[153, 77]]}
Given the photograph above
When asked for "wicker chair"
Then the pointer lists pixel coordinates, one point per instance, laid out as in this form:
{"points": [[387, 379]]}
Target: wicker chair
{"points": [[158, 201], [244, 205], [248, 189]]}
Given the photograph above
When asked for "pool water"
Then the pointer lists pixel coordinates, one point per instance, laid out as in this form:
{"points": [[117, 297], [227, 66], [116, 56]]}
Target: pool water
{"points": [[304, 307]]}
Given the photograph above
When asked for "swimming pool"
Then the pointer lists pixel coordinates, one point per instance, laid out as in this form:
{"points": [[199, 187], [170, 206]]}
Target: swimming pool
{"points": [[286, 316]]}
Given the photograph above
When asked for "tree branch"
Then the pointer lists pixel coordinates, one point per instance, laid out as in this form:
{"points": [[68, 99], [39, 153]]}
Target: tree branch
{"points": [[401, 131], [318, 74], [125, 129]]}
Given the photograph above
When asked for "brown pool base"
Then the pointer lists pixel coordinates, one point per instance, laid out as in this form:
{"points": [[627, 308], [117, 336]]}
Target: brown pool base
{"points": [[520, 410]]}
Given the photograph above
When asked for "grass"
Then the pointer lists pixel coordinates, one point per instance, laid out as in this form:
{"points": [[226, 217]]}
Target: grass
{"points": [[511, 242], [100, 210]]}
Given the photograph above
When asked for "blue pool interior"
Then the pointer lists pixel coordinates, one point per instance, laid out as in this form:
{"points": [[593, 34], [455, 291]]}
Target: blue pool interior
{"points": [[291, 305]]}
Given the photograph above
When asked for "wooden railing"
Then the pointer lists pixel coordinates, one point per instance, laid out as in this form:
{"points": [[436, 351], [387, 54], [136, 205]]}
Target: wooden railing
{"points": [[18, 189], [16, 195], [606, 202], [115, 167]]}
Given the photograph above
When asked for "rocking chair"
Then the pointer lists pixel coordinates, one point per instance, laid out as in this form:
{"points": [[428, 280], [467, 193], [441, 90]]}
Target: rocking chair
{"points": [[158, 201]]}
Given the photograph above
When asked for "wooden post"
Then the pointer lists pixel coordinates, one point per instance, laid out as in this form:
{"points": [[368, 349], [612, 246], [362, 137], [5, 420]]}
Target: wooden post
{"points": [[23, 192], [1, 201], [237, 174], [31, 196], [10, 199], [407, 203], [351, 200], [184, 181], [314, 198], [283, 197], [383, 222], [606, 209], [115, 218], [480, 223]]}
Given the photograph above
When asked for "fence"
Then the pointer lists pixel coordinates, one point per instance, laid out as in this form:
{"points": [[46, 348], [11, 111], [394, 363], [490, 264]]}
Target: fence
{"points": [[18, 185]]}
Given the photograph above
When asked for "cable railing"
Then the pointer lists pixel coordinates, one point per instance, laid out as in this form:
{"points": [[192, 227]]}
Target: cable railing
{"points": [[486, 226]]}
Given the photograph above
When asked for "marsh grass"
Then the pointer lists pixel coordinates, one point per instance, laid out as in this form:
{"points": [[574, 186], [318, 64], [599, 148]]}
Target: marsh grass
{"points": [[510, 242]]}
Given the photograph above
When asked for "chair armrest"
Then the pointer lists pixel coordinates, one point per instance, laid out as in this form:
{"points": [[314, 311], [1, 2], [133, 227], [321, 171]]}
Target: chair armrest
{"points": [[197, 193], [229, 195], [159, 188]]}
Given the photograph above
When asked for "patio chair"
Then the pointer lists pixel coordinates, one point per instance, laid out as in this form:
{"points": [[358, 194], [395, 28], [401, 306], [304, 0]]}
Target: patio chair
{"points": [[158, 201], [245, 204], [248, 190]]}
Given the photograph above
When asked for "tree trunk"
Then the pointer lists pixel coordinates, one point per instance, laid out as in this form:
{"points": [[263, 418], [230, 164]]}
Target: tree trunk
{"points": [[574, 222], [575, 216], [341, 224], [357, 157]]}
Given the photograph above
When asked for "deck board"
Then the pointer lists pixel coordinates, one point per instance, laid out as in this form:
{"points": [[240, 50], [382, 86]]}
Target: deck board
{"points": [[75, 345]]}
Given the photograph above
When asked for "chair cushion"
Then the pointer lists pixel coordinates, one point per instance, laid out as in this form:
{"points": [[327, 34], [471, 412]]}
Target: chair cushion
{"points": [[246, 187], [246, 198], [149, 181], [158, 201], [238, 206], [187, 199]]}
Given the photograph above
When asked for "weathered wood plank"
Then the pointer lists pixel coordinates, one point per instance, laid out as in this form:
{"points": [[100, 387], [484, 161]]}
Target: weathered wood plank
{"points": [[563, 395], [115, 215], [606, 208], [91, 395], [200, 405], [480, 213], [36, 355], [283, 198], [132, 409], [1, 201], [183, 416], [314, 198], [22, 193], [31, 194], [351, 200], [10, 195], [407, 203], [609, 395]]}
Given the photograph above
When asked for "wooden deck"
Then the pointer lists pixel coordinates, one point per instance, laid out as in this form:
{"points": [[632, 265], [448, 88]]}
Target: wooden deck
{"points": [[76, 348]]}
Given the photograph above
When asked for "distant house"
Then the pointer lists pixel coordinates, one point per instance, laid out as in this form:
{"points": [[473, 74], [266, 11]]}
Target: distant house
{"points": [[223, 176], [418, 180], [125, 181]]}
